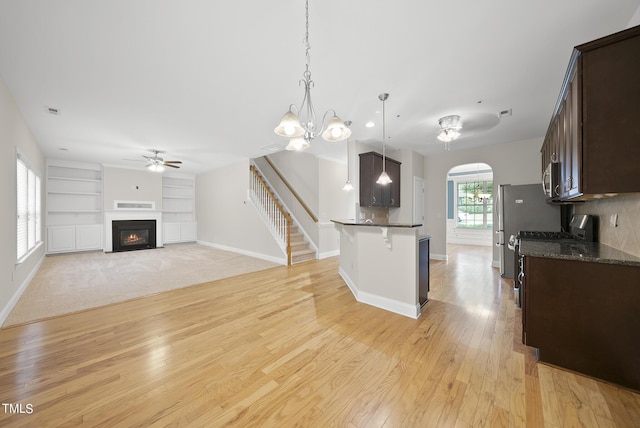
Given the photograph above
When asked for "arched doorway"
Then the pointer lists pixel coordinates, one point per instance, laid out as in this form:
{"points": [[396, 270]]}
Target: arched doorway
{"points": [[470, 205]]}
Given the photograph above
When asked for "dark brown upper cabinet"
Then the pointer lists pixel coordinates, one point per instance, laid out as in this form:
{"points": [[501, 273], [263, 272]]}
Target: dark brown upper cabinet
{"points": [[595, 127], [373, 194]]}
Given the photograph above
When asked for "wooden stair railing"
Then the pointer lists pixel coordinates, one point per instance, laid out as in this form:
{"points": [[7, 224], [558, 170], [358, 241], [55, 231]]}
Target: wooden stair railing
{"points": [[279, 218], [293, 192]]}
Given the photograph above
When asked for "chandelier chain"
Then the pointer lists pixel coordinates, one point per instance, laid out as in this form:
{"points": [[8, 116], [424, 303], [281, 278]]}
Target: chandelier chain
{"points": [[307, 45]]}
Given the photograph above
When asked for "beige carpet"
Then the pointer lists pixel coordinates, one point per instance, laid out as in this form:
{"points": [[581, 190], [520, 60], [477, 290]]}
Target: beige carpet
{"points": [[73, 282]]}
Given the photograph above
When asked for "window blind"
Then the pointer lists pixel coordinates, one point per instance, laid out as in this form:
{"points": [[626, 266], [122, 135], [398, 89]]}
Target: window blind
{"points": [[28, 208]]}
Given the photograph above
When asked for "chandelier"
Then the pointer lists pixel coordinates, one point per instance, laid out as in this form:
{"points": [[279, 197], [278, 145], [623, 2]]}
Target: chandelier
{"points": [[302, 132], [450, 129]]}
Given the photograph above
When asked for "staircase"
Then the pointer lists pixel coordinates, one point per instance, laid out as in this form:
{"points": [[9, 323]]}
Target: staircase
{"points": [[300, 248], [280, 220]]}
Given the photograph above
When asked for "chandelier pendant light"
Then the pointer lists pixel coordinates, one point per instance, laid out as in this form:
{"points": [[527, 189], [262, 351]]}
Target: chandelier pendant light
{"points": [[450, 127], [302, 132], [384, 178]]}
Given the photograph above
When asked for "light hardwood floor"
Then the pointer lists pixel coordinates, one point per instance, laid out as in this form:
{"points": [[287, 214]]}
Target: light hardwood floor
{"points": [[291, 347]]}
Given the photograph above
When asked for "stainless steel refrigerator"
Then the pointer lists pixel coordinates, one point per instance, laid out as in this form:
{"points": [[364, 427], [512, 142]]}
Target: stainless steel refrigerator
{"points": [[522, 207]]}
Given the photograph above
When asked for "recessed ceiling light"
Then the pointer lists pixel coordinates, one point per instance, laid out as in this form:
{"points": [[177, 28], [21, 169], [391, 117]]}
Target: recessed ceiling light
{"points": [[370, 124]]}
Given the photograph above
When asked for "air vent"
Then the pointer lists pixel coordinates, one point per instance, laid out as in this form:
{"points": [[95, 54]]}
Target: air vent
{"points": [[52, 110], [273, 148], [505, 113]]}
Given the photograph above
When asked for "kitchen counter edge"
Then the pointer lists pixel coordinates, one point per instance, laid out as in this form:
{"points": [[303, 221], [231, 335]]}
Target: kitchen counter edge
{"points": [[593, 252], [352, 222]]}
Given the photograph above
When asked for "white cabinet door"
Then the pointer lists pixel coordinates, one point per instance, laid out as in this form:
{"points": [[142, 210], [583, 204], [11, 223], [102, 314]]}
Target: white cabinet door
{"points": [[178, 232], [61, 239], [171, 232], [187, 232], [89, 237]]}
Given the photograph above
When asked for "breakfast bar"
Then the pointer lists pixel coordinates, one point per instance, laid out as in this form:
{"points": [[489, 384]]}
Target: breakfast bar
{"points": [[380, 263]]}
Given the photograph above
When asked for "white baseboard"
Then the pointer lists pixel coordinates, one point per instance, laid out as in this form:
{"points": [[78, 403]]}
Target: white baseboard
{"points": [[16, 296], [328, 254], [282, 261], [434, 256], [380, 302], [495, 264]]}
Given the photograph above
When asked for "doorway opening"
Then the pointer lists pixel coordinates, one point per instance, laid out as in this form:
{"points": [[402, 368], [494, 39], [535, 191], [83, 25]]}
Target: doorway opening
{"points": [[470, 205]]}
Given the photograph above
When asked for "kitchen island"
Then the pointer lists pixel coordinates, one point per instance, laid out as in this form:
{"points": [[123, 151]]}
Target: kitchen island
{"points": [[380, 264], [581, 308]]}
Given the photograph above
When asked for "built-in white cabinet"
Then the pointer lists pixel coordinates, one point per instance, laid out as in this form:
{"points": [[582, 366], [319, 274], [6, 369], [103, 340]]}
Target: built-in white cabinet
{"points": [[74, 206], [178, 209]]}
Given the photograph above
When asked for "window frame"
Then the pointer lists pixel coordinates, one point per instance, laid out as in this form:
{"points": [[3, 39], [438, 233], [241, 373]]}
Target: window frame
{"points": [[28, 208], [487, 186]]}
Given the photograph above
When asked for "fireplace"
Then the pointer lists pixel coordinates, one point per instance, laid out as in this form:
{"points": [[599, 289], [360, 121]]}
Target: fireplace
{"points": [[133, 234]]}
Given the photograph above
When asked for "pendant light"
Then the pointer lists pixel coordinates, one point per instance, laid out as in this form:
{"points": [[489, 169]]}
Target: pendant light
{"points": [[302, 132], [384, 178], [348, 186]]}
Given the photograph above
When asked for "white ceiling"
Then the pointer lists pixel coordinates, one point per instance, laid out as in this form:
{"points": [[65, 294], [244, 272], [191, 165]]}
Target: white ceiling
{"points": [[207, 81]]}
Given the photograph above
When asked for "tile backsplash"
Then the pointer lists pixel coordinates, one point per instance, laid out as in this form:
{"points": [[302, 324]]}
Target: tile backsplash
{"points": [[625, 235]]}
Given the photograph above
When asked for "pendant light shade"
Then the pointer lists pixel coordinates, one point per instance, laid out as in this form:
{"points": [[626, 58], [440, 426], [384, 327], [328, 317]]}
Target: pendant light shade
{"points": [[297, 144], [336, 130], [384, 178], [289, 126]]}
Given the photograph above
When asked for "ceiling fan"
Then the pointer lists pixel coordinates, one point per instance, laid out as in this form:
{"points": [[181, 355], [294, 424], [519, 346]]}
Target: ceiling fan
{"points": [[156, 163]]}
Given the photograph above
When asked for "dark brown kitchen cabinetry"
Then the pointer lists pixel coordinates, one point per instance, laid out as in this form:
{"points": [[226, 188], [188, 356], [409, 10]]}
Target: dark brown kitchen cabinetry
{"points": [[373, 194], [595, 127], [584, 316]]}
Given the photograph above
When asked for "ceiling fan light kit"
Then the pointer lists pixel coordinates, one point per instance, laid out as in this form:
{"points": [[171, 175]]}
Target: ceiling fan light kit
{"points": [[157, 164], [293, 128], [450, 129]]}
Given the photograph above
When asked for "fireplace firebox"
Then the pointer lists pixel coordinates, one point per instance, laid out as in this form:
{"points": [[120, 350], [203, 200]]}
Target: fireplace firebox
{"points": [[133, 234]]}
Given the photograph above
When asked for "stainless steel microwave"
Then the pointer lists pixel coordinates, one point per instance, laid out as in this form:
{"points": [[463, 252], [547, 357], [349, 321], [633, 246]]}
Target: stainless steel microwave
{"points": [[551, 180]]}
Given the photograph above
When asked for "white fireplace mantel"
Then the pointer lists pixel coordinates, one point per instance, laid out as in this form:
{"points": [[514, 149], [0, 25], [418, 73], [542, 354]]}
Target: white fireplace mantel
{"points": [[133, 214]]}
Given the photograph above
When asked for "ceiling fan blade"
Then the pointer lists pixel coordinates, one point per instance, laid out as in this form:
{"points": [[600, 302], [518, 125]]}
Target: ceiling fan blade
{"points": [[166, 162], [172, 166]]}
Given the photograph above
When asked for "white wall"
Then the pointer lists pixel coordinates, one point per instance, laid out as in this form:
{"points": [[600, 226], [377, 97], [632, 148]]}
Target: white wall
{"points": [[301, 170], [513, 163], [15, 133], [318, 181], [131, 185], [334, 203], [226, 217]]}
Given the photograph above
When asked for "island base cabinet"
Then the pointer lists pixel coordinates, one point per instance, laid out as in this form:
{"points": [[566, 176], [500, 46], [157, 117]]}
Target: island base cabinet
{"points": [[584, 316]]}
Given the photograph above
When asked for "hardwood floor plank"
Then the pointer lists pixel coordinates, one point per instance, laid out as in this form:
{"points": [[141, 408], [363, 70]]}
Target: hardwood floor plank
{"points": [[294, 348]]}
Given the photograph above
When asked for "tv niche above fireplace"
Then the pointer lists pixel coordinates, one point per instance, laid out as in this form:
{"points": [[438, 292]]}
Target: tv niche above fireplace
{"points": [[133, 234]]}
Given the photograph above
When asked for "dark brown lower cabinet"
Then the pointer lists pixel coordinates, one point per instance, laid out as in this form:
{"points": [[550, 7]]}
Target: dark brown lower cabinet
{"points": [[584, 317], [423, 270]]}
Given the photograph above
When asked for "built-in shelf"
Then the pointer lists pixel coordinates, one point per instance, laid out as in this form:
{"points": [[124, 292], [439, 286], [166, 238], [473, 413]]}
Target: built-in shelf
{"points": [[178, 208], [74, 206]]}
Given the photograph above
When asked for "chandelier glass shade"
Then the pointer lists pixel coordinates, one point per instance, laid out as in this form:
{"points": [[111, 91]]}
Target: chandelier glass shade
{"points": [[291, 126], [450, 129]]}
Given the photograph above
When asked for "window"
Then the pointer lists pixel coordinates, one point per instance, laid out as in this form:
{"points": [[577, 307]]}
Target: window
{"points": [[475, 204], [28, 227]]}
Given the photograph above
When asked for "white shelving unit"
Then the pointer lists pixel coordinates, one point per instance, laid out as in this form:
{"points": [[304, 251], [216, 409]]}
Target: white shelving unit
{"points": [[74, 206], [178, 209]]}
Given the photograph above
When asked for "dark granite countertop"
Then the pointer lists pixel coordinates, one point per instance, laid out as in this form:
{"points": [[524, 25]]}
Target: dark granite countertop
{"points": [[594, 252], [352, 222]]}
